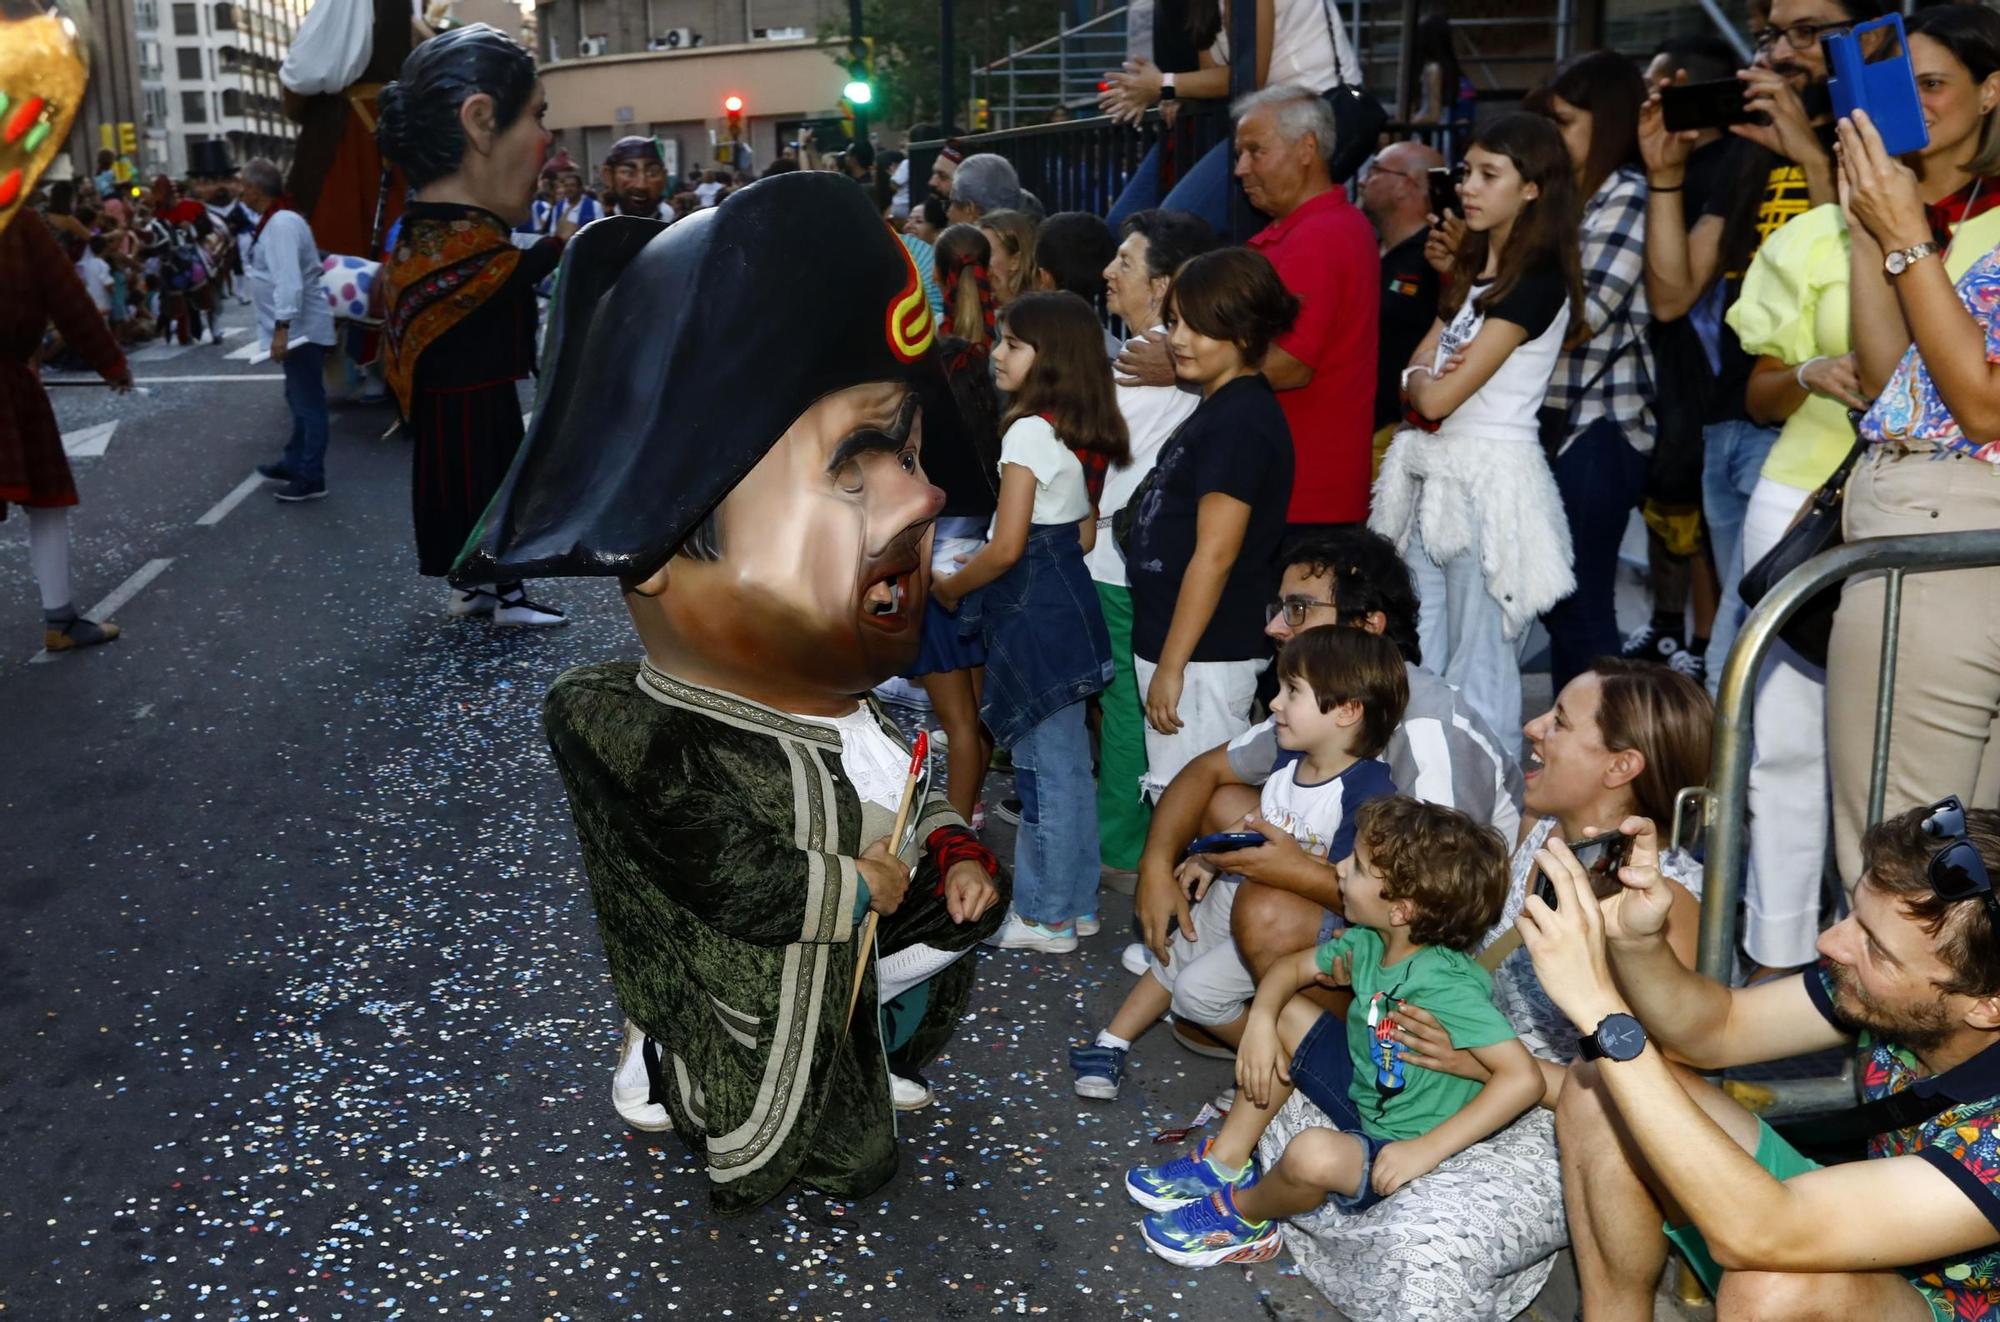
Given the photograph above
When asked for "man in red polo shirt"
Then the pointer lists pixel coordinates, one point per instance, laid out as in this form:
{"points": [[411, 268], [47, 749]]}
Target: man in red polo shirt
{"points": [[1325, 251]]}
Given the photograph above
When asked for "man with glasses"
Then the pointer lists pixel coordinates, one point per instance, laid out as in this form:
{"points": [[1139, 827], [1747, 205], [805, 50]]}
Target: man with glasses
{"points": [[1910, 981], [1395, 196], [1441, 752]]}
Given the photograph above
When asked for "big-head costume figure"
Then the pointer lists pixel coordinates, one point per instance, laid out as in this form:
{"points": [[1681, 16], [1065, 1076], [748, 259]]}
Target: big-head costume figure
{"points": [[752, 476]]}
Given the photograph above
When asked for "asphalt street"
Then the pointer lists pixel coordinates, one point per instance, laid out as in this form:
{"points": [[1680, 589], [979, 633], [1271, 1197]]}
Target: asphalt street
{"points": [[305, 1010]]}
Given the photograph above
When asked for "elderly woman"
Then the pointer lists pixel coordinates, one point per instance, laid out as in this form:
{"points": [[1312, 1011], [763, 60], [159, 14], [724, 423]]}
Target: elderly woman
{"points": [[1475, 1238]]}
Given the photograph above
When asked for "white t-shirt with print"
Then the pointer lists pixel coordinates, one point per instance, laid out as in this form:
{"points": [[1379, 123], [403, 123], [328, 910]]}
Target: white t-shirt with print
{"points": [[1510, 398], [1320, 815], [1060, 493]]}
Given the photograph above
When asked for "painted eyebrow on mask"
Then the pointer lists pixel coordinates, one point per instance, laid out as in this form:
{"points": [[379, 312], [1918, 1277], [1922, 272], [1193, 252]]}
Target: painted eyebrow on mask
{"points": [[869, 440]]}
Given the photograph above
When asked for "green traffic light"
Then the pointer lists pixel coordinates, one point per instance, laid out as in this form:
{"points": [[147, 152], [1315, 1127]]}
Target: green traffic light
{"points": [[858, 93]]}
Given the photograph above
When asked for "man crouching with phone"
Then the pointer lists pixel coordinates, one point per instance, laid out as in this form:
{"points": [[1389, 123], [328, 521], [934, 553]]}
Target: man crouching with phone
{"points": [[1910, 979]]}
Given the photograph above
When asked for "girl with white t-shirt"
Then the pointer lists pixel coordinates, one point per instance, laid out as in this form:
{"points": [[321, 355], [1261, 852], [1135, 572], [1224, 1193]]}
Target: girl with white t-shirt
{"points": [[1029, 594], [1465, 491]]}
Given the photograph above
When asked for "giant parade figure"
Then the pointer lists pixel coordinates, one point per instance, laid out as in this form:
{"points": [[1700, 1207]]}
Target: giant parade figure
{"points": [[731, 424]]}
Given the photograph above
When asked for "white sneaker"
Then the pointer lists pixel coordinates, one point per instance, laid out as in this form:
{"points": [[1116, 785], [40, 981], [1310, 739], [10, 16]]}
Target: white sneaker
{"points": [[515, 610], [475, 600], [908, 1094], [631, 1089], [1017, 933], [1087, 924], [1134, 958]]}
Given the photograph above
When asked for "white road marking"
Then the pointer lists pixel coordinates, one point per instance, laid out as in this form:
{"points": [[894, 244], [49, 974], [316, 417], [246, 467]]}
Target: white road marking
{"points": [[157, 353], [145, 710], [120, 595], [88, 442], [220, 510], [164, 380]]}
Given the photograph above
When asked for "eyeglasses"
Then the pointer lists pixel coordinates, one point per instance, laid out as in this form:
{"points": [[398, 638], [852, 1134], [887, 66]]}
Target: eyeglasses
{"points": [[1956, 871], [1371, 169], [1295, 609], [1801, 36]]}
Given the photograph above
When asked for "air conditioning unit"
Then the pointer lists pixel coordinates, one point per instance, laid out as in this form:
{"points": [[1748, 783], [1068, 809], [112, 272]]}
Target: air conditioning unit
{"points": [[590, 46], [675, 39]]}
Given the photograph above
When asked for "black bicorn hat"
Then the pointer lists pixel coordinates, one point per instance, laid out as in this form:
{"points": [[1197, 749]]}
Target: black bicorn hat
{"points": [[678, 354]]}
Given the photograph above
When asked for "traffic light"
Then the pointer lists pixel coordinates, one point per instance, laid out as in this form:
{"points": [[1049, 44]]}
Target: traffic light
{"points": [[128, 137], [732, 106], [981, 118], [860, 89]]}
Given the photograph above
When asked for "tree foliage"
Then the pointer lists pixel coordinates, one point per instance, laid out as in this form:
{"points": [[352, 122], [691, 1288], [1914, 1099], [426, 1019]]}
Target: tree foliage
{"points": [[907, 53]]}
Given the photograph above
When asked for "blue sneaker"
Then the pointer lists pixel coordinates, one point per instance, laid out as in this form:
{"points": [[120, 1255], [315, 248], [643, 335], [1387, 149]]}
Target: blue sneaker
{"points": [[1099, 1070], [1209, 1232], [1186, 1179]]}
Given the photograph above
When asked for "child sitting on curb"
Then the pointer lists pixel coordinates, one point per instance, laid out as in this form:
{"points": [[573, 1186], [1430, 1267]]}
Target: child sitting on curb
{"points": [[1341, 694], [1423, 885]]}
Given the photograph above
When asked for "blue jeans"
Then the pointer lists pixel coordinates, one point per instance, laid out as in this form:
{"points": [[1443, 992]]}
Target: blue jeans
{"points": [[1733, 455], [1055, 851], [1324, 1071], [305, 395], [1464, 637], [1204, 189], [1601, 478]]}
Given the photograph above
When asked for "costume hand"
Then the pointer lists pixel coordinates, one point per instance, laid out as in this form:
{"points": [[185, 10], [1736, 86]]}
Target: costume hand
{"points": [[122, 383], [1278, 860], [1881, 190], [1422, 1041], [1567, 942], [1665, 154], [280, 337], [1163, 699], [1789, 132], [1145, 361], [1396, 1164], [1195, 875], [1441, 247], [1837, 379], [1129, 92], [1159, 900], [1261, 1066], [968, 891], [888, 880]]}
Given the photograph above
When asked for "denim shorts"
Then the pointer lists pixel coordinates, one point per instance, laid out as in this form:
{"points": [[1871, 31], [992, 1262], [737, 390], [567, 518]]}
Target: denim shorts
{"points": [[1322, 1069]]}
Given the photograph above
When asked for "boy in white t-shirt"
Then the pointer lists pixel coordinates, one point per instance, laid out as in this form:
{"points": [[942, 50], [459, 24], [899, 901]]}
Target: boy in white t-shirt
{"points": [[95, 272], [1340, 695]]}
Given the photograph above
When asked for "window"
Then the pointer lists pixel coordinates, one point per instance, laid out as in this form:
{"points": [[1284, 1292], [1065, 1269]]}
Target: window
{"points": [[225, 17], [232, 101], [194, 108], [187, 21], [188, 58], [149, 14], [156, 107], [149, 57]]}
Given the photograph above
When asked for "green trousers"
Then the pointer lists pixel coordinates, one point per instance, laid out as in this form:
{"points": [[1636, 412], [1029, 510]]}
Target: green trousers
{"points": [[1122, 811]]}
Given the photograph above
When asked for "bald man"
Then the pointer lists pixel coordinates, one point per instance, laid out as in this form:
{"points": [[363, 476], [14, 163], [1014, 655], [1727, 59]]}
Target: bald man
{"points": [[1395, 193]]}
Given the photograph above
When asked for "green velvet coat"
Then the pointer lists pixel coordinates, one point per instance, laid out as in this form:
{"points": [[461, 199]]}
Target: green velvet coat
{"points": [[719, 838]]}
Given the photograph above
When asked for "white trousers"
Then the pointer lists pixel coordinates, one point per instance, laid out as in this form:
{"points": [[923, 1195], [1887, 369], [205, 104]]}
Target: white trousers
{"points": [[1216, 698], [1208, 979]]}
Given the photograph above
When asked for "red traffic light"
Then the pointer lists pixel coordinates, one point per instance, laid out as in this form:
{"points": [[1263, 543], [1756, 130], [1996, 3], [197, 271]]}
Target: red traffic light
{"points": [[733, 104]]}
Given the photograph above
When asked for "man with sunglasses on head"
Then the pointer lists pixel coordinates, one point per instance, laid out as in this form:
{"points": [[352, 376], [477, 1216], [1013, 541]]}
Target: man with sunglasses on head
{"points": [[1441, 752], [1910, 981]]}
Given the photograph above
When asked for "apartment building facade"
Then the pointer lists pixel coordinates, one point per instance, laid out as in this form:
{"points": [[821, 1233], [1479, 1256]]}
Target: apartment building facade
{"points": [[210, 81]]}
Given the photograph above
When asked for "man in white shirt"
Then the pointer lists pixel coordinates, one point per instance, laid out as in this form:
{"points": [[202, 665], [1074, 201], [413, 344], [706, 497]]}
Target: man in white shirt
{"points": [[293, 316]]}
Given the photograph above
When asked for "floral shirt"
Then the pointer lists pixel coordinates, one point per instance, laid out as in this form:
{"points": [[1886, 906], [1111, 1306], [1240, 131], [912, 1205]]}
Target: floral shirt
{"points": [[1909, 409], [1963, 1143]]}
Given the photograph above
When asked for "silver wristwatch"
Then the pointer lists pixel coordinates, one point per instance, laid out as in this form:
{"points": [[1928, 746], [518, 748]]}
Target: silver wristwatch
{"points": [[1903, 259]]}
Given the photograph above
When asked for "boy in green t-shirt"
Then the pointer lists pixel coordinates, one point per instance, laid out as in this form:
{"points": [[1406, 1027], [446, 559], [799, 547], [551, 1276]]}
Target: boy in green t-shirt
{"points": [[1423, 885]]}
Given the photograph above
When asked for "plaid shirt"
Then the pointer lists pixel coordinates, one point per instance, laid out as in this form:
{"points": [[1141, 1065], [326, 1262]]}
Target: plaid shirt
{"points": [[1614, 287]]}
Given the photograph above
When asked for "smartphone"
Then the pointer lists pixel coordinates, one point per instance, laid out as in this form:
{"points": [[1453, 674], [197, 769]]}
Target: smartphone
{"points": [[1601, 856], [1711, 105], [1881, 83], [1223, 842], [1444, 191]]}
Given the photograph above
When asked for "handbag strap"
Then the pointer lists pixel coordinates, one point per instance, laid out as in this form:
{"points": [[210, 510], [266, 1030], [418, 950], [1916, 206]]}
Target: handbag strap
{"points": [[1333, 41]]}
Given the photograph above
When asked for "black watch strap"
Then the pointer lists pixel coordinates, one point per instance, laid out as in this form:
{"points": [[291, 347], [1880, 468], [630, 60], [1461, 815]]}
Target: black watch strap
{"points": [[1617, 1037]]}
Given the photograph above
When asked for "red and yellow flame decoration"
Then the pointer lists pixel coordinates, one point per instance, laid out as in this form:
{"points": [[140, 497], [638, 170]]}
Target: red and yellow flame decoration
{"points": [[911, 329]]}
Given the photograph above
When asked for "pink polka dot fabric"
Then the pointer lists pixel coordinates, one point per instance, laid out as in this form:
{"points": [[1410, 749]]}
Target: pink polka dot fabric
{"points": [[347, 283]]}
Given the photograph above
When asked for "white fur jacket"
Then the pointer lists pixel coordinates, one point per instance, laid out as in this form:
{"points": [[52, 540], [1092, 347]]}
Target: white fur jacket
{"points": [[1493, 497]]}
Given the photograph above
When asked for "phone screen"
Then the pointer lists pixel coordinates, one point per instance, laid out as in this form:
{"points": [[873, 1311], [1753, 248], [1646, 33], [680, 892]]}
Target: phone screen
{"points": [[1601, 857], [1444, 192], [1711, 105]]}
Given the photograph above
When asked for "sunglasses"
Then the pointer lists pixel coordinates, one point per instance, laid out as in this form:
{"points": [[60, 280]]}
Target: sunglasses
{"points": [[1956, 871]]}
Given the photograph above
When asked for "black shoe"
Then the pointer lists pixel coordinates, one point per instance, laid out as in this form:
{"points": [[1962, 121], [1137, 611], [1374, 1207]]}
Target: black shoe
{"points": [[1009, 811], [1650, 644], [276, 472], [299, 489]]}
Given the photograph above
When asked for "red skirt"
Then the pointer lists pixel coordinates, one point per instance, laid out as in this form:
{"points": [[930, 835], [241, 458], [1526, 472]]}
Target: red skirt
{"points": [[33, 468]]}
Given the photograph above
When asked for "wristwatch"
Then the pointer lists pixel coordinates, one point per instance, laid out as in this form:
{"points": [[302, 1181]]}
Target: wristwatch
{"points": [[1618, 1037], [1167, 92], [1903, 259]]}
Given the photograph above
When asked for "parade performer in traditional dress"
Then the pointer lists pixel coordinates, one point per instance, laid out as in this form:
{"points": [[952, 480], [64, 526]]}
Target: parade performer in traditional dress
{"points": [[732, 427], [464, 123], [635, 179], [44, 65], [343, 53]]}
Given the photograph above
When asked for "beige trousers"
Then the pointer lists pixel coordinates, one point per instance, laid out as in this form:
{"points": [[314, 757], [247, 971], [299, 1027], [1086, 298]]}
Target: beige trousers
{"points": [[1942, 735]]}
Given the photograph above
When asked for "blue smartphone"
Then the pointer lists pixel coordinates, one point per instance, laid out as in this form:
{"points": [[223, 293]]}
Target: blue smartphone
{"points": [[1223, 842], [1884, 85]]}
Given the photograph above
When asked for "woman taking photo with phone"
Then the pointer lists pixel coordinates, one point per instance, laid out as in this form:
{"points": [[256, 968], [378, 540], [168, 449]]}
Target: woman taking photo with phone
{"points": [[1924, 344], [1465, 492]]}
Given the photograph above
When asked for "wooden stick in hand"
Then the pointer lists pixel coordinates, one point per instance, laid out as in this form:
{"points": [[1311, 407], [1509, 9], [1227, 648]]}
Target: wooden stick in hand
{"points": [[867, 942]]}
